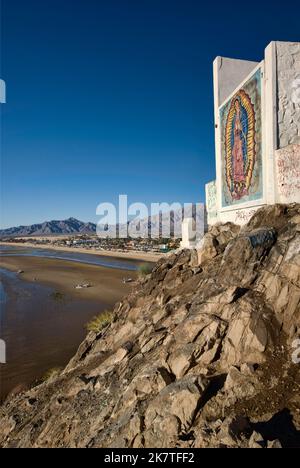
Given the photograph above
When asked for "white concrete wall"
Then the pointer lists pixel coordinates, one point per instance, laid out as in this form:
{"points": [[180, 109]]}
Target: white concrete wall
{"points": [[281, 127], [211, 202], [228, 74], [288, 174], [238, 213], [239, 217], [270, 121], [188, 233], [288, 86]]}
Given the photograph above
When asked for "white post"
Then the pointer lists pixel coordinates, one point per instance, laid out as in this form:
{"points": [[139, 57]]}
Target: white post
{"points": [[2, 352], [188, 234], [270, 127]]}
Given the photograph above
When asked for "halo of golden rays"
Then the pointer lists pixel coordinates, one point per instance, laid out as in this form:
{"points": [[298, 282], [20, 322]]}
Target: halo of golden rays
{"points": [[246, 103]]}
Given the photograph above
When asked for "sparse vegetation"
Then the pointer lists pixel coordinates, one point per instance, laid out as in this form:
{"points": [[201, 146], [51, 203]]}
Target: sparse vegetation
{"points": [[100, 321], [57, 296], [51, 373], [145, 269]]}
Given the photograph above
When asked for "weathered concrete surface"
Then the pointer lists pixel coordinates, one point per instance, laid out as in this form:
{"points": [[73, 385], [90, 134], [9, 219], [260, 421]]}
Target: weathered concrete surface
{"points": [[280, 132], [288, 86], [287, 162]]}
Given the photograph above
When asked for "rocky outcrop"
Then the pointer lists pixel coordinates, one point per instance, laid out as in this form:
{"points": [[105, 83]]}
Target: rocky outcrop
{"points": [[199, 355]]}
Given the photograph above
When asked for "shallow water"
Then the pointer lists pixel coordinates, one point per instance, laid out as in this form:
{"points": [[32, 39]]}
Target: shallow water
{"points": [[89, 259], [42, 330], [2, 295]]}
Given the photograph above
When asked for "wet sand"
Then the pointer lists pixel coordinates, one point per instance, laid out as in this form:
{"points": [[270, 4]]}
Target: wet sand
{"points": [[134, 255], [43, 329], [107, 283]]}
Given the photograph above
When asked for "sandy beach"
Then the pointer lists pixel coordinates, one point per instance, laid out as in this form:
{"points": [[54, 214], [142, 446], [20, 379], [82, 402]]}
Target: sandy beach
{"points": [[106, 283], [44, 317], [133, 255]]}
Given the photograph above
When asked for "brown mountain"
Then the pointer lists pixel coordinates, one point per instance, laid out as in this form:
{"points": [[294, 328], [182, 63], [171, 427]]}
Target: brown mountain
{"points": [[48, 228]]}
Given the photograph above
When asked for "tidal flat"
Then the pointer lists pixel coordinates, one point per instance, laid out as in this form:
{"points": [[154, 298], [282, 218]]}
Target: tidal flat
{"points": [[43, 316]]}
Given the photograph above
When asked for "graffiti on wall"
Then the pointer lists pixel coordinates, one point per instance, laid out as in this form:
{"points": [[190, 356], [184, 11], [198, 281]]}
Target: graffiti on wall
{"points": [[211, 200], [241, 145], [288, 173], [244, 216]]}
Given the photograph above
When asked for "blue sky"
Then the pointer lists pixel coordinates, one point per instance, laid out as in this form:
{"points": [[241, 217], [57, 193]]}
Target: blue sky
{"points": [[113, 97]]}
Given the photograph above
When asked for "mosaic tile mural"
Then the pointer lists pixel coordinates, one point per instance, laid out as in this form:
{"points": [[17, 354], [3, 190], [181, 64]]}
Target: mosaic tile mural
{"points": [[241, 145]]}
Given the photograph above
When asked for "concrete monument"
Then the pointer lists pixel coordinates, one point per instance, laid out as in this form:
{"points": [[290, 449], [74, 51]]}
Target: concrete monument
{"points": [[257, 134], [189, 240]]}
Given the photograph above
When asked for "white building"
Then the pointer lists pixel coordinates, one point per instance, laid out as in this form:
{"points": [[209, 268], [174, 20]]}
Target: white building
{"points": [[257, 134]]}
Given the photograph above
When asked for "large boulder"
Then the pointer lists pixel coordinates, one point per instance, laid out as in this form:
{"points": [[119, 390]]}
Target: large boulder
{"points": [[172, 412], [215, 241], [251, 332], [244, 255]]}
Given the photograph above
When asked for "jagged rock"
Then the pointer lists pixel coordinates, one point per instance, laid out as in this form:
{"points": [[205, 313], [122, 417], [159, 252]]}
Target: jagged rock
{"points": [[180, 361], [196, 356], [194, 259], [249, 334], [224, 233], [207, 249], [272, 216], [176, 405], [244, 255], [150, 380], [183, 258], [239, 385], [275, 444], [215, 241], [256, 441], [280, 280], [232, 432], [200, 352], [192, 327], [108, 365]]}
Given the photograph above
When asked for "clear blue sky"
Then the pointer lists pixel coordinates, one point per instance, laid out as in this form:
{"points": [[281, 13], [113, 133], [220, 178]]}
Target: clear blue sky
{"points": [[116, 96]]}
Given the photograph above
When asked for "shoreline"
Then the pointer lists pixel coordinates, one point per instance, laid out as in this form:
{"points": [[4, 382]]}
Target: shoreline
{"points": [[134, 255], [63, 276], [44, 316]]}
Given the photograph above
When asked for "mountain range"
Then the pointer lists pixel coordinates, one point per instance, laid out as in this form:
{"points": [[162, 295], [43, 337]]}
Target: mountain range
{"points": [[48, 228], [166, 224]]}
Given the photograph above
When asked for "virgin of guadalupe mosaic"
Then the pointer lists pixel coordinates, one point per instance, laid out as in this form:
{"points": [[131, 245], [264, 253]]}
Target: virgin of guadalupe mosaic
{"points": [[242, 145]]}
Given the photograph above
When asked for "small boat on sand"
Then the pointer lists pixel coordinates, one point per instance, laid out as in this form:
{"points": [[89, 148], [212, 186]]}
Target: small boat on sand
{"points": [[83, 286], [127, 280]]}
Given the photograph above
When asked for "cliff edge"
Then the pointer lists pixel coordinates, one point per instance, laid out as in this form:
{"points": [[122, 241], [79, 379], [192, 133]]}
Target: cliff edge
{"points": [[203, 353]]}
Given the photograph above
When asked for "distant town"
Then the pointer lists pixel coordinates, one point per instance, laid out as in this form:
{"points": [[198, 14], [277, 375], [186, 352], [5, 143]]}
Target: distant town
{"points": [[94, 243]]}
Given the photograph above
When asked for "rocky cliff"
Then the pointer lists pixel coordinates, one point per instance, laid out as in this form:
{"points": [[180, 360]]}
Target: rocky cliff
{"points": [[203, 353]]}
